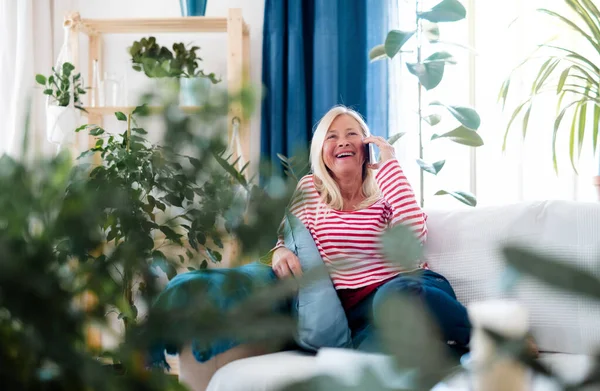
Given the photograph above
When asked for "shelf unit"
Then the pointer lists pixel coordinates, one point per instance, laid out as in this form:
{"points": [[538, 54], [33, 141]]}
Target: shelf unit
{"points": [[238, 71], [238, 56], [98, 111]]}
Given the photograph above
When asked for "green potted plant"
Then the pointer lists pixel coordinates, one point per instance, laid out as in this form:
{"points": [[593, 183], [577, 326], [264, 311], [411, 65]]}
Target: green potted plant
{"points": [[570, 71], [172, 215], [430, 72], [63, 89], [182, 64]]}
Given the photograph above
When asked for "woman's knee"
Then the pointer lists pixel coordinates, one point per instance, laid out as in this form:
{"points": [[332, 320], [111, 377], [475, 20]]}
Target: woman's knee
{"points": [[400, 286], [445, 310]]}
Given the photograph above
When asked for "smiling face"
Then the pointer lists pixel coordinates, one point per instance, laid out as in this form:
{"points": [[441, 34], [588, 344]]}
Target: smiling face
{"points": [[343, 148]]}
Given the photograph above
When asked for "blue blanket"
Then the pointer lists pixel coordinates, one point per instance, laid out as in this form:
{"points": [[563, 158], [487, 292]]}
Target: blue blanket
{"points": [[215, 285]]}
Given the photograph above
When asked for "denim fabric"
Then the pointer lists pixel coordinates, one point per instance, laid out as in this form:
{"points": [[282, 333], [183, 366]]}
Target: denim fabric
{"points": [[436, 294], [321, 317]]}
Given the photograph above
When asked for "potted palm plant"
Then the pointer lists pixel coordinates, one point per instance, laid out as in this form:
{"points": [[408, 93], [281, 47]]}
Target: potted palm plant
{"points": [[570, 71]]}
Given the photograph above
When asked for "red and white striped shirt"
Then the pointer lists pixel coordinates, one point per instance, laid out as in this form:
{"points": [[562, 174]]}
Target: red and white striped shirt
{"points": [[349, 241]]}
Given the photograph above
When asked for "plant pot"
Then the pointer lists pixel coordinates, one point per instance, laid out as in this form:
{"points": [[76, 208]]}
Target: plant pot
{"points": [[165, 91], [61, 122], [194, 91]]}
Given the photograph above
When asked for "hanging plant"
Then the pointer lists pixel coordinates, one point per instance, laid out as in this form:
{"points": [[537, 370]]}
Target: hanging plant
{"points": [[58, 86]]}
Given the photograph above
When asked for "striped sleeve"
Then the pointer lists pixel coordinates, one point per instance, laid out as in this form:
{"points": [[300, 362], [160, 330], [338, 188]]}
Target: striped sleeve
{"points": [[398, 193]]}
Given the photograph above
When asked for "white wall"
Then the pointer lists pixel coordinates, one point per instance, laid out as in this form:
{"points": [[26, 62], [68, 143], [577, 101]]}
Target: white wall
{"points": [[213, 45]]}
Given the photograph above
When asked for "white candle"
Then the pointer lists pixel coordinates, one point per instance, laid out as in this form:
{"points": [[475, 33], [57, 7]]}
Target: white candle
{"points": [[491, 372]]}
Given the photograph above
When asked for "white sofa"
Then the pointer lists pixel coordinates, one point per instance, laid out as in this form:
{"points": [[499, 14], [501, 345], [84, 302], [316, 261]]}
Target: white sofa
{"points": [[464, 245]]}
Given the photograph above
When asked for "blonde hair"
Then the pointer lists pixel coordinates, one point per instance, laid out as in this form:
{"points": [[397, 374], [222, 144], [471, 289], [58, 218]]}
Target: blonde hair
{"points": [[324, 182]]}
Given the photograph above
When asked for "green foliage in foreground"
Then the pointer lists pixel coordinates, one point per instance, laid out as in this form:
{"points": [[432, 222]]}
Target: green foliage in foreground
{"points": [[53, 223]]}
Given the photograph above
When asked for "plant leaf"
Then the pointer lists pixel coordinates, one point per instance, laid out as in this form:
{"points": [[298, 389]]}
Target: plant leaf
{"points": [[195, 162], [503, 94], [411, 336], [121, 116], [431, 31], [526, 120], [392, 140], [595, 126], [462, 135], [141, 110], [543, 73], [572, 136], [96, 131], [463, 196], [557, 123], [562, 79], [552, 271], [574, 26], [377, 53], [434, 168], [400, 245], [160, 261], [430, 74], [41, 79], [512, 118], [170, 234], [230, 168], [139, 130], [215, 256], [465, 115], [433, 119], [446, 11], [581, 134], [395, 40], [441, 56]]}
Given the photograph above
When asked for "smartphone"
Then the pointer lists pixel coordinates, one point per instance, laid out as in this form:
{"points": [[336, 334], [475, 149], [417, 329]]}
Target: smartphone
{"points": [[370, 152]]}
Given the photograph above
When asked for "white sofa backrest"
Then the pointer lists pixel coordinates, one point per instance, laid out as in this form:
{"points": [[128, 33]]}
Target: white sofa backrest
{"points": [[465, 246]]}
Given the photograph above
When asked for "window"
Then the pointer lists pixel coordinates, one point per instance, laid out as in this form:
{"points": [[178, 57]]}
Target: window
{"points": [[524, 172]]}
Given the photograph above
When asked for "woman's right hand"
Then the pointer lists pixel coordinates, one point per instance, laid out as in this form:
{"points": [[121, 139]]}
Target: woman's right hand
{"points": [[286, 263]]}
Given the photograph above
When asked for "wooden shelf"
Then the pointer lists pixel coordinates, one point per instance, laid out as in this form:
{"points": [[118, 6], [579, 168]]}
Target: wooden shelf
{"points": [[190, 24], [237, 50], [111, 110]]}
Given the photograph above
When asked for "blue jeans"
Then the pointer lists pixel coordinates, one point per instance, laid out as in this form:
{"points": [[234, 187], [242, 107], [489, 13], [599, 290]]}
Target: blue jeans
{"points": [[436, 294]]}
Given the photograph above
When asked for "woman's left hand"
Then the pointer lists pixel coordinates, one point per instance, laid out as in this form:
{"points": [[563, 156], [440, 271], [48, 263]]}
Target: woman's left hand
{"points": [[386, 150]]}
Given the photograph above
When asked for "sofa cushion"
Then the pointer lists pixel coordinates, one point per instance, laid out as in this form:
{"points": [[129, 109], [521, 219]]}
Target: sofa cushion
{"points": [[268, 372], [465, 246], [321, 318]]}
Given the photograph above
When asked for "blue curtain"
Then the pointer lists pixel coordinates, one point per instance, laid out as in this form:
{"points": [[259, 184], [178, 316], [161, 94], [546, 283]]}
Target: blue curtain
{"points": [[193, 7], [316, 55]]}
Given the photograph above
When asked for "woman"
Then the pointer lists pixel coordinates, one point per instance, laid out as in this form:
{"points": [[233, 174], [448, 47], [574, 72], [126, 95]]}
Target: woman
{"points": [[346, 204]]}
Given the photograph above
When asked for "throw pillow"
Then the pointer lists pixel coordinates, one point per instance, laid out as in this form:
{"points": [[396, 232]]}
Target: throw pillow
{"points": [[321, 318]]}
